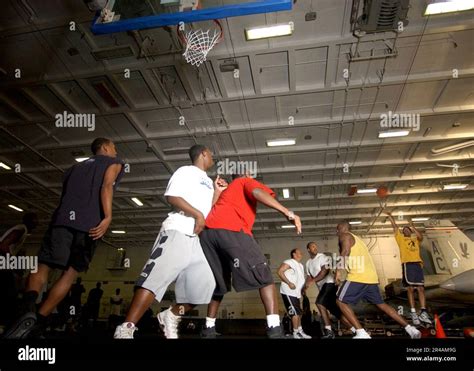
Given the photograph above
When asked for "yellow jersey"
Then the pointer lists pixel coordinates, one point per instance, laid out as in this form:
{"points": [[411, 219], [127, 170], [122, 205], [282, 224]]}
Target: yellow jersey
{"points": [[409, 248], [360, 266]]}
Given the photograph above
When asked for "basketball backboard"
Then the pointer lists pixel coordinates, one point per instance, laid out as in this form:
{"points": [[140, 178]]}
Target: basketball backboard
{"points": [[125, 15]]}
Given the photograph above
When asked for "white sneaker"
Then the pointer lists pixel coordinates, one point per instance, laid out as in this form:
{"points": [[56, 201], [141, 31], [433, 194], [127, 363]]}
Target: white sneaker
{"points": [[297, 335], [415, 319], [362, 335], [125, 331], [425, 318], [304, 336], [169, 323], [413, 332]]}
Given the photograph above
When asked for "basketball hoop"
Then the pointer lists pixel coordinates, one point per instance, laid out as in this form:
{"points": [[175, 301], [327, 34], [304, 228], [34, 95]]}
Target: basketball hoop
{"points": [[198, 43]]}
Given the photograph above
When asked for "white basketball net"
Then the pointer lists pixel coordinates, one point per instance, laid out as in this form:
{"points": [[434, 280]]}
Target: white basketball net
{"points": [[198, 45]]}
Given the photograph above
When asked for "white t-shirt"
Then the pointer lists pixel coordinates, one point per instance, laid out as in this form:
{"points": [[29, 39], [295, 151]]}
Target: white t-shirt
{"points": [[14, 248], [196, 188], [314, 266], [294, 274]]}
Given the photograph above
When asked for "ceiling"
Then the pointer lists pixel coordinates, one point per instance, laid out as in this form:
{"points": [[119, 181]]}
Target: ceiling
{"points": [[289, 87]]}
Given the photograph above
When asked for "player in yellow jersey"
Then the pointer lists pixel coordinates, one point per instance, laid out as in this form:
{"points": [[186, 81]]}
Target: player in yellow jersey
{"points": [[362, 282], [412, 268]]}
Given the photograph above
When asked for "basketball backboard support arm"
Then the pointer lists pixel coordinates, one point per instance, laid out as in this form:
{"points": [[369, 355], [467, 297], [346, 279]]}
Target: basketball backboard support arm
{"points": [[169, 19]]}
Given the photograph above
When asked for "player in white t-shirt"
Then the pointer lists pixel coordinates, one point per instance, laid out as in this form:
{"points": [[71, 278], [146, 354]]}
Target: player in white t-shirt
{"points": [[291, 273], [318, 270], [177, 254]]}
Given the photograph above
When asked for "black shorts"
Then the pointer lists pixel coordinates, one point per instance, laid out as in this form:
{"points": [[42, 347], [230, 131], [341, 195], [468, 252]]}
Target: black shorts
{"points": [[64, 247], [235, 259], [413, 274], [327, 298], [292, 305]]}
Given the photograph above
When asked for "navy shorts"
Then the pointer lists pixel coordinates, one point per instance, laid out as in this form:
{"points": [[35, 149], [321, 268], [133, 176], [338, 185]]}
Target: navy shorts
{"points": [[353, 292], [65, 247], [413, 274], [292, 305], [327, 298]]}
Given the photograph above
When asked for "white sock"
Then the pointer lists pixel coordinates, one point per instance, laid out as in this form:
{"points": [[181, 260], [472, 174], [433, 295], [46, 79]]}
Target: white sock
{"points": [[413, 310], [360, 331], [300, 329], [328, 328], [210, 322], [353, 329], [295, 331], [174, 315], [407, 327], [273, 320]]}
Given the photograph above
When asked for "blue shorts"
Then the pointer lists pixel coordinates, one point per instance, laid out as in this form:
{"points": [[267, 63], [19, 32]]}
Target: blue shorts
{"points": [[353, 292], [413, 274]]}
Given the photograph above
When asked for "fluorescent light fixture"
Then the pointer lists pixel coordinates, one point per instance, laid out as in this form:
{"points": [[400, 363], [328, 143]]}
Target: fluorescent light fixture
{"points": [[118, 232], [286, 193], [137, 201], [448, 6], [80, 159], [355, 222], [367, 190], [288, 226], [448, 187], [15, 208], [264, 32], [421, 219], [393, 133], [5, 166], [281, 142]]}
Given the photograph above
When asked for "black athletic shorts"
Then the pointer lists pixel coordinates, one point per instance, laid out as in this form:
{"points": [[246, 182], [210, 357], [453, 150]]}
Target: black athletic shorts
{"points": [[327, 298], [413, 274], [292, 305], [235, 259], [65, 247]]}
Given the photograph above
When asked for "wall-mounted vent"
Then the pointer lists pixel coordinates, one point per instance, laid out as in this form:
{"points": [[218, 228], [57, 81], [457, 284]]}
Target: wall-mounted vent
{"points": [[113, 53]]}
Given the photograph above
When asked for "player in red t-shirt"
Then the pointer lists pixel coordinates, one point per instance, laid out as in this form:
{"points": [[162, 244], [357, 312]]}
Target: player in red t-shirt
{"points": [[234, 255]]}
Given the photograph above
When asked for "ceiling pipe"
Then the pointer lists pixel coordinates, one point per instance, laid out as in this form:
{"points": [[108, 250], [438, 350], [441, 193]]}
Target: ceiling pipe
{"points": [[454, 147]]}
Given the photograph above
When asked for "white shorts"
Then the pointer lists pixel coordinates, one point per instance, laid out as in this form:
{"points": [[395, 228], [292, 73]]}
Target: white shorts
{"points": [[178, 257]]}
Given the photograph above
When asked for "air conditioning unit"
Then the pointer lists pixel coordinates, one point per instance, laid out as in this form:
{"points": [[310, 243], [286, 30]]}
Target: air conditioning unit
{"points": [[379, 15]]}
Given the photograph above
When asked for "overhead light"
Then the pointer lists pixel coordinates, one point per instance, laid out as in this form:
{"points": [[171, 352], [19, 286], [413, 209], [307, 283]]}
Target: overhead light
{"points": [[355, 222], [281, 142], [15, 208], [419, 219], [393, 133], [288, 226], [367, 190], [286, 193], [137, 201], [263, 32], [118, 232], [448, 6], [5, 166], [448, 187], [80, 159]]}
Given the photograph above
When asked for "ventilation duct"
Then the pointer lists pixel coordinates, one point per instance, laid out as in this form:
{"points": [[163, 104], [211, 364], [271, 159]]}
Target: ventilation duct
{"points": [[379, 15]]}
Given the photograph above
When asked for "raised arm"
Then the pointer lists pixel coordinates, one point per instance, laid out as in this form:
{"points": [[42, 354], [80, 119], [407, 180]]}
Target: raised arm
{"points": [[281, 273], [263, 197], [419, 236], [392, 220], [106, 196]]}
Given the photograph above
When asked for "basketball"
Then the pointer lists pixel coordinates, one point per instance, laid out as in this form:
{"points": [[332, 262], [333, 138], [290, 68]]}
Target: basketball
{"points": [[382, 192]]}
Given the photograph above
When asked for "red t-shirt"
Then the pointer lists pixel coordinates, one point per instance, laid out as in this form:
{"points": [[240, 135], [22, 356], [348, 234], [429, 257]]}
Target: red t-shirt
{"points": [[236, 208]]}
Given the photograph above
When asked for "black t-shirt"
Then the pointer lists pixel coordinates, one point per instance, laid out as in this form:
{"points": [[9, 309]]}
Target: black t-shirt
{"points": [[80, 206]]}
